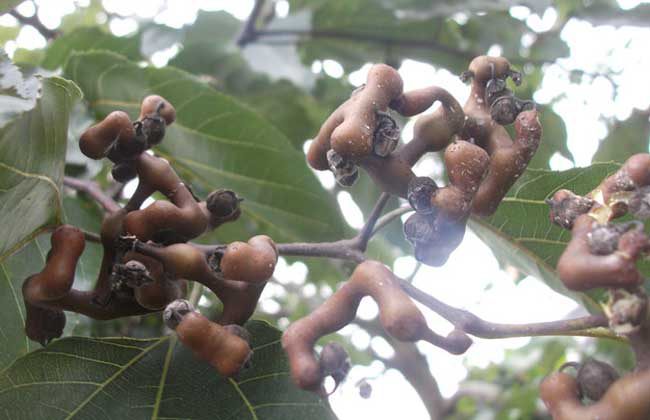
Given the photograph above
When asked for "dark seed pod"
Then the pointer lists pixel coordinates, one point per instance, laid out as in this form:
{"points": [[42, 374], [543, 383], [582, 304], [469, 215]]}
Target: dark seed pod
{"points": [[335, 362], [420, 191], [333, 358], [386, 135], [153, 130], [639, 204], [43, 325], [567, 206], [124, 171], [594, 378], [133, 274], [515, 76], [419, 228], [223, 204], [603, 239], [175, 311], [494, 89], [345, 171], [504, 110]]}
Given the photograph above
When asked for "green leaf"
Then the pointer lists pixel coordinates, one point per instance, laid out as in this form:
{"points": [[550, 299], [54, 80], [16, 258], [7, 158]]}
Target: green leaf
{"points": [[521, 234], [218, 143], [625, 138], [359, 31], [122, 378], [13, 341], [32, 151], [7, 5], [86, 39]]}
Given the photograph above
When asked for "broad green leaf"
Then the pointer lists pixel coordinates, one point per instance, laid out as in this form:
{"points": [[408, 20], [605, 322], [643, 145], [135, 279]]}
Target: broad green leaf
{"points": [[35, 116], [218, 143], [625, 138], [520, 232], [123, 378], [85, 39]]}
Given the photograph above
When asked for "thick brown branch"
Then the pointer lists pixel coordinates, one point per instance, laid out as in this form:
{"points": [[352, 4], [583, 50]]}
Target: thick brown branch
{"points": [[472, 324], [94, 191]]}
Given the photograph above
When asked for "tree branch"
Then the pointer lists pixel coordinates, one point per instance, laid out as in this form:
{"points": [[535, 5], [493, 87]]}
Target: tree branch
{"points": [[370, 38], [352, 249], [36, 23], [249, 31], [344, 250], [93, 190], [368, 228], [390, 216], [588, 326]]}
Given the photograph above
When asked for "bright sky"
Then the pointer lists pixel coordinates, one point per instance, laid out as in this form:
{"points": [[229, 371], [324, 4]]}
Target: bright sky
{"points": [[480, 286]]}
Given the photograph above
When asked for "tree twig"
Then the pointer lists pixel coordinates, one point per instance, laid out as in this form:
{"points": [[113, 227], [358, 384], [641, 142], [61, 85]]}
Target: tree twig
{"points": [[93, 190], [390, 216], [36, 23], [92, 237], [344, 250], [588, 326], [370, 38], [368, 228], [249, 31]]}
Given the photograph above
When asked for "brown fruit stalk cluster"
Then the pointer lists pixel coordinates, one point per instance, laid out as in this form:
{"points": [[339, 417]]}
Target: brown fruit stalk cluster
{"points": [[482, 163], [399, 317], [603, 254], [481, 158], [147, 259], [627, 398]]}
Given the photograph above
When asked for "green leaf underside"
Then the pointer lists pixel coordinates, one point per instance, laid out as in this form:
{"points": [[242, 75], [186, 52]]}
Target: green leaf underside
{"points": [[86, 39], [123, 378], [32, 151], [218, 143], [521, 234], [35, 204]]}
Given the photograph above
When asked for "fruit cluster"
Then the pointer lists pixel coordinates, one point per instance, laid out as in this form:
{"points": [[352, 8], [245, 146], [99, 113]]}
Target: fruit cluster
{"points": [[147, 259]]}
